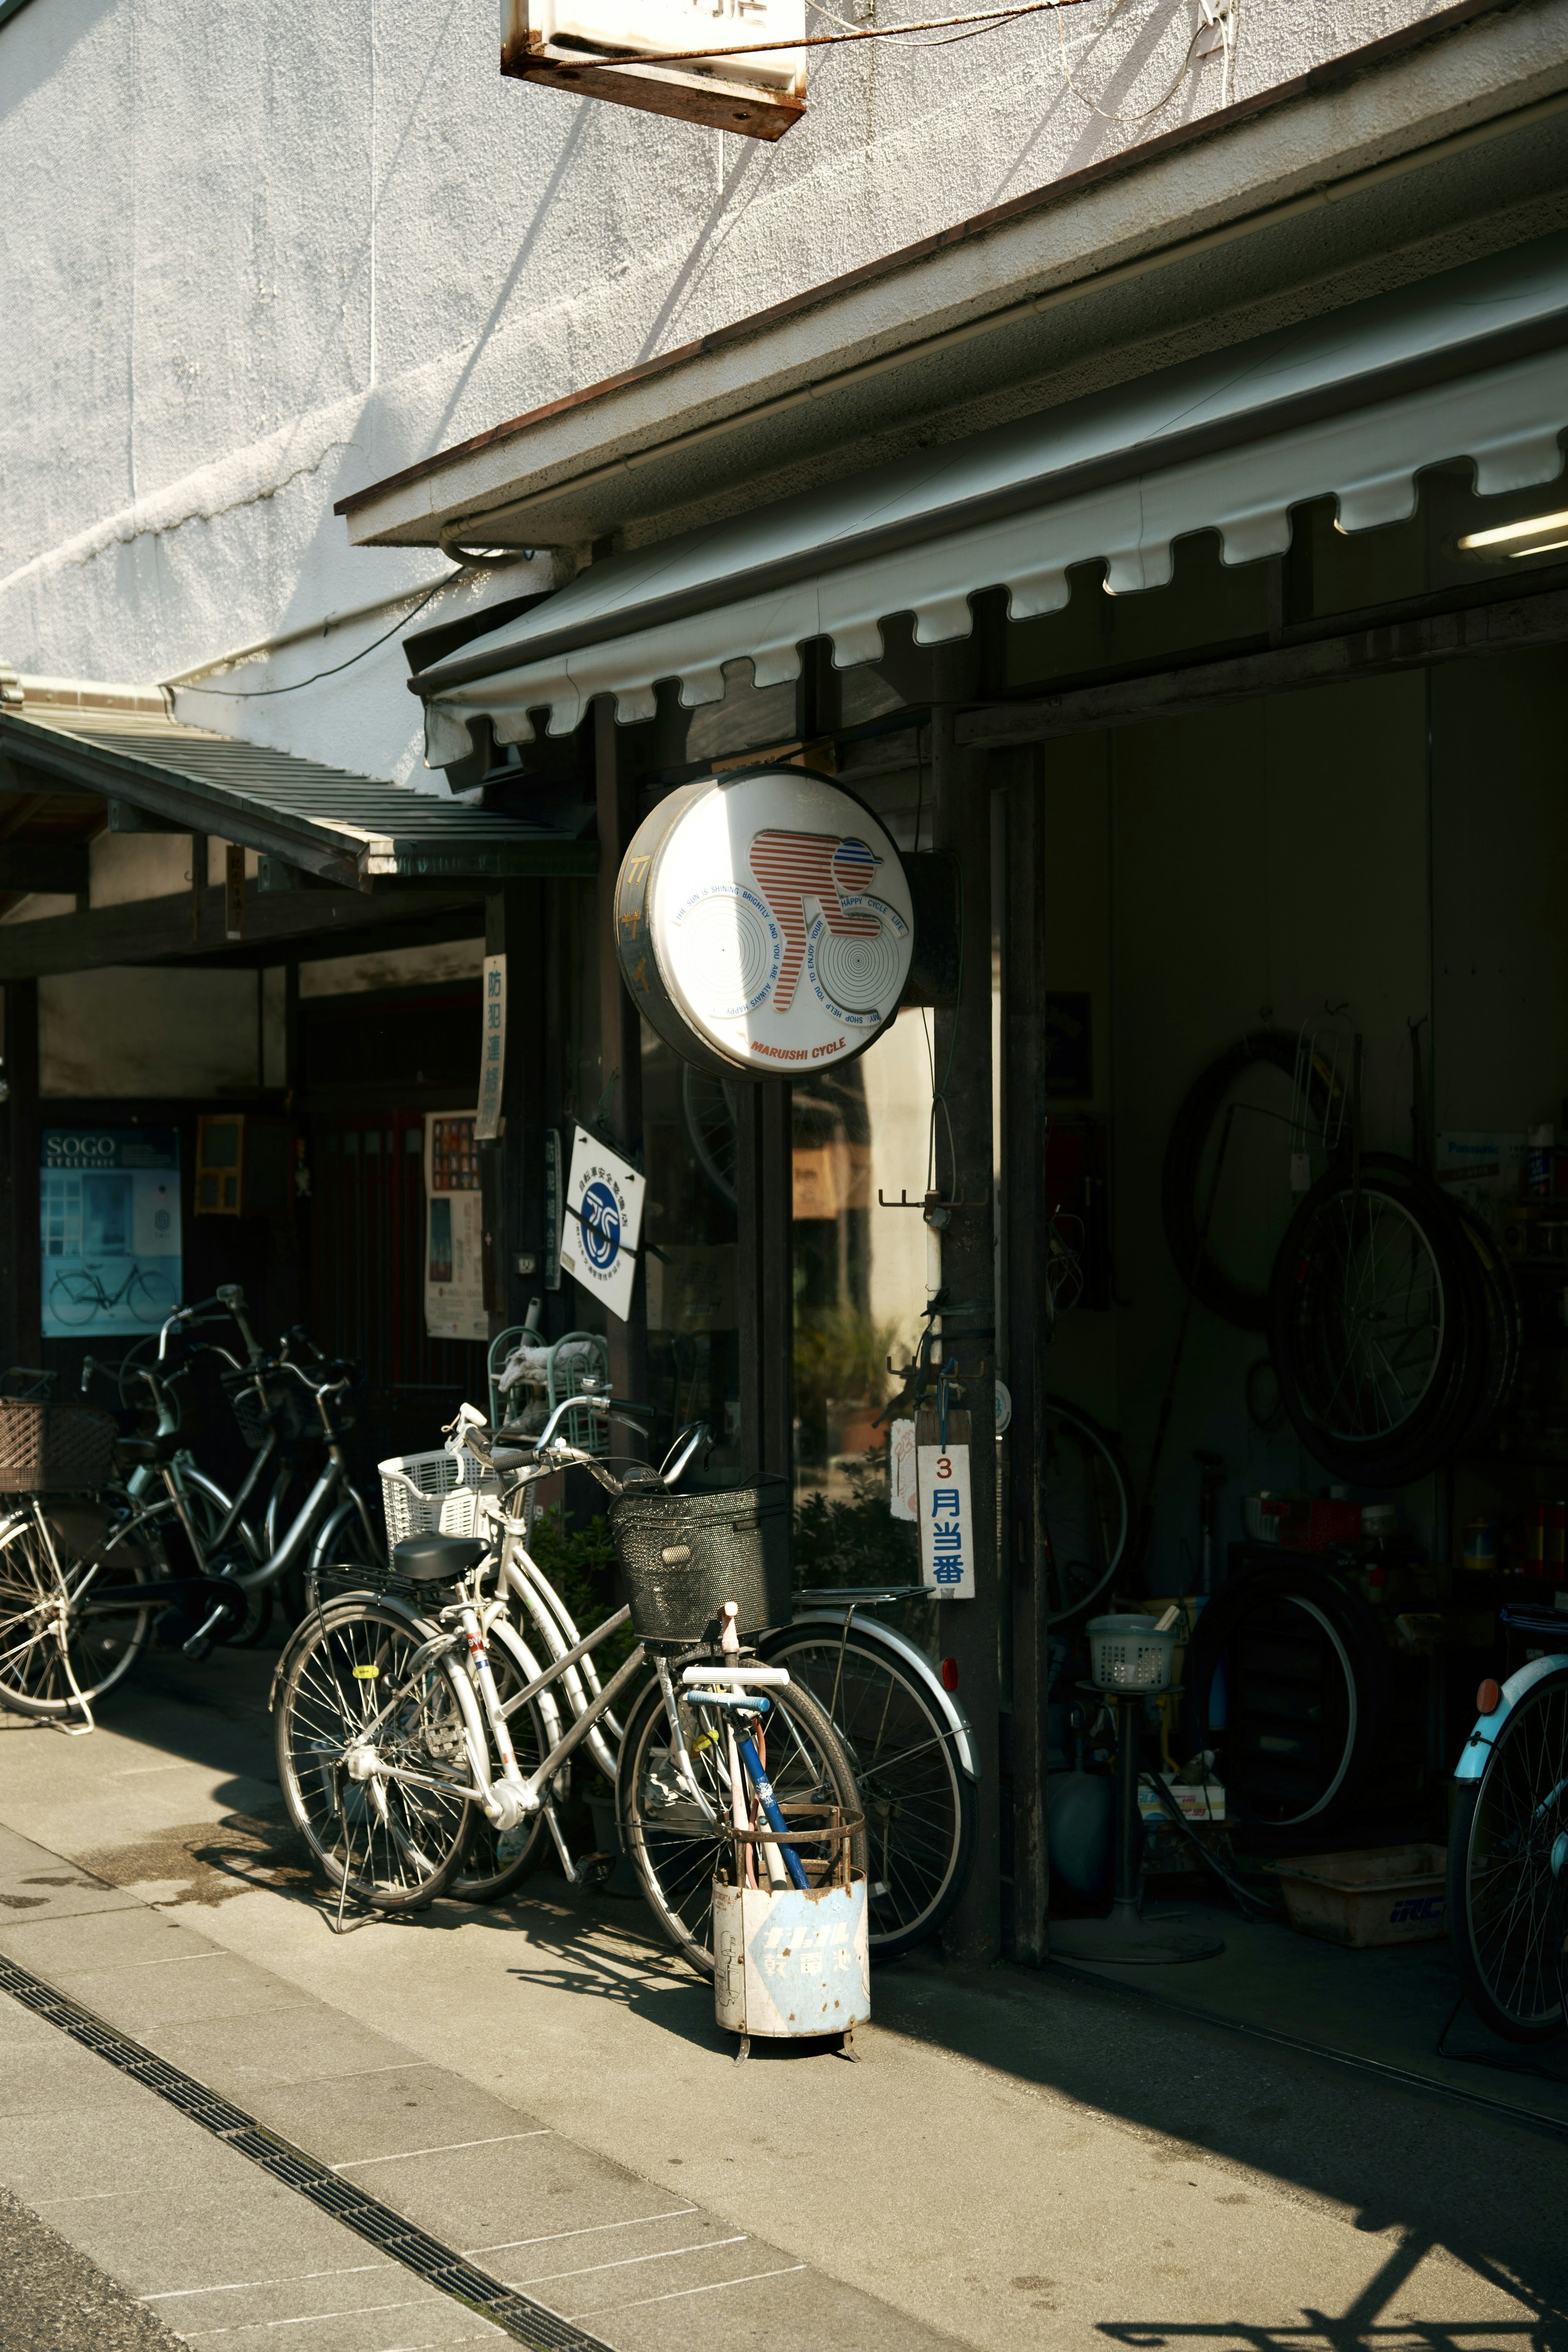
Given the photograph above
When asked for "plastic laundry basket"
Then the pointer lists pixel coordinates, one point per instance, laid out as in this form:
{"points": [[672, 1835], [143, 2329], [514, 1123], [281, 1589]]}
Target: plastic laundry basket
{"points": [[1129, 1654]]}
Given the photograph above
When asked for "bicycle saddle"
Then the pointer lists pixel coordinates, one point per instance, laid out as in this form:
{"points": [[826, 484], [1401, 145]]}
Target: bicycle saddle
{"points": [[435, 1560], [149, 1449]]}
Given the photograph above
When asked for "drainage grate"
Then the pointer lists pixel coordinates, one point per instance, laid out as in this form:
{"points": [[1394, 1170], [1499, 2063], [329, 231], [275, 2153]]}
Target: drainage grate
{"points": [[391, 2233]]}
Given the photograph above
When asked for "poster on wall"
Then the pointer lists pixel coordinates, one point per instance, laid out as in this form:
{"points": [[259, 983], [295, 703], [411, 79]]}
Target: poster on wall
{"points": [[600, 1230], [454, 1229], [108, 1217], [492, 1051]]}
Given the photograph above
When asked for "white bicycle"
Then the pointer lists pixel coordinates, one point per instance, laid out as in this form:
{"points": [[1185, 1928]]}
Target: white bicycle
{"points": [[421, 1736]]}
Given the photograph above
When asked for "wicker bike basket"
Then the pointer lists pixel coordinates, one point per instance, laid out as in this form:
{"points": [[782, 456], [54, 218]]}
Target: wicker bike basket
{"points": [[53, 1448], [683, 1555]]}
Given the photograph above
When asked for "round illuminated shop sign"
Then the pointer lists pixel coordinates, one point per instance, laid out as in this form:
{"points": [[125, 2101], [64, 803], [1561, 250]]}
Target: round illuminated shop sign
{"points": [[765, 923]]}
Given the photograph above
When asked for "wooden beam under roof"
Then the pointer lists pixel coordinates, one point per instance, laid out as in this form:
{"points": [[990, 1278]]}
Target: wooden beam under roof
{"points": [[160, 930]]}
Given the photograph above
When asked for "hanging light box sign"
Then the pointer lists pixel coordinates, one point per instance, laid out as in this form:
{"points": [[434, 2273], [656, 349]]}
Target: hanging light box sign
{"points": [[592, 48], [765, 923], [602, 1223]]}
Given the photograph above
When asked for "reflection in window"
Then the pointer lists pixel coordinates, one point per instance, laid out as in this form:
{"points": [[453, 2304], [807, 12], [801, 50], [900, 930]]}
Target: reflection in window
{"points": [[691, 1148], [859, 1287]]}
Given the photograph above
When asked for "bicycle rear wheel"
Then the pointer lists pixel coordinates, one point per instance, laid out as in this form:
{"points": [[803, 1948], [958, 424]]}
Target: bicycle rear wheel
{"points": [[1507, 1870], [350, 1679], [920, 1812], [499, 1860], [673, 1847], [53, 1653]]}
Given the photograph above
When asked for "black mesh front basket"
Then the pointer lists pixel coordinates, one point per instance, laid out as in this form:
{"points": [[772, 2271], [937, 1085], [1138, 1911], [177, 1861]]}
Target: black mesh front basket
{"points": [[284, 1410], [683, 1555], [53, 1448]]}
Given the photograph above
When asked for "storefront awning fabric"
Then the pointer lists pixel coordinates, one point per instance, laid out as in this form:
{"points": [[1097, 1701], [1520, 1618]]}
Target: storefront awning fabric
{"points": [[1472, 366]]}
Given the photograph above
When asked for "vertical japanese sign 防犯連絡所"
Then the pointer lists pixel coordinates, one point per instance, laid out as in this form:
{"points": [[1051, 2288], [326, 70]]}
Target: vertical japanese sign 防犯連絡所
{"points": [[946, 1520], [454, 1229], [492, 1051], [109, 1229], [603, 1222]]}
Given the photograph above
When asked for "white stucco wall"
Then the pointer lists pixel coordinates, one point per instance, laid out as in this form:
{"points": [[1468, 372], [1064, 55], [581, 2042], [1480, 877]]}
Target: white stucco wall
{"points": [[251, 260]]}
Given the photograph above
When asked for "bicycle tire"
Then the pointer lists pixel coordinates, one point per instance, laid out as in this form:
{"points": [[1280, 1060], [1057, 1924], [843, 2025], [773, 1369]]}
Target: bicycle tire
{"points": [[34, 1678], [921, 1815], [1223, 1294], [67, 1308], [1504, 1323], [1085, 1534], [1320, 1341], [671, 1847], [414, 1838], [149, 1286], [1507, 1870], [496, 1860], [1303, 1622]]}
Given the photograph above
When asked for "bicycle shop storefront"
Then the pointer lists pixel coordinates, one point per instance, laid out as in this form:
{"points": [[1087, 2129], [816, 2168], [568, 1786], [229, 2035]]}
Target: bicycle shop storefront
{"points": [[1204, 739]]}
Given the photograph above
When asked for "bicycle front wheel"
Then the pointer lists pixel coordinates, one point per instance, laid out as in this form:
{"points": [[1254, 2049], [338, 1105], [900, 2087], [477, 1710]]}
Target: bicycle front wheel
{"points": [[673, 1846], [920, 1813], [56, 1652], [1507, 1870], [355, 1698], [150, 1297]]}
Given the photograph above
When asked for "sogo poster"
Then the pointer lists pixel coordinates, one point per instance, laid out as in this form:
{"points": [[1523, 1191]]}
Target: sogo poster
{"points": [[454, 1229]]}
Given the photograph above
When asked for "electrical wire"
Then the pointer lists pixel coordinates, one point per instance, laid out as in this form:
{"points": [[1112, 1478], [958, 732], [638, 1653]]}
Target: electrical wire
{"points": [[981, 17], [261, 693]]}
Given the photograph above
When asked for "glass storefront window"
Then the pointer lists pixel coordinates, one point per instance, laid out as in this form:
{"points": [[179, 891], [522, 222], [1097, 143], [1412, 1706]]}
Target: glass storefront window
{"points": [[860, 1292], [693, 1335]]}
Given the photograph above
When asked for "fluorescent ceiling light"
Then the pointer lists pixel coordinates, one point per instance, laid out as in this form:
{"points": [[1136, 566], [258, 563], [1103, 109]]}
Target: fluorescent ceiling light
{"points": [[1539, 535]]}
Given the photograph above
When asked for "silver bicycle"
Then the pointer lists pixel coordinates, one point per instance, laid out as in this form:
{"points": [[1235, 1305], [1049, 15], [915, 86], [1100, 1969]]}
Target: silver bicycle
{"points": [[421, 1742]]}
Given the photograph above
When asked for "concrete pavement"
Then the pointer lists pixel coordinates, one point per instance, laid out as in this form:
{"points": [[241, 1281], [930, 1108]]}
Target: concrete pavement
{"points": [[1019, 2161]]}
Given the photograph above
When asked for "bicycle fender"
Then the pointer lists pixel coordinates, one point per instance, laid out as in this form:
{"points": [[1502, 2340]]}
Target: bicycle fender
{"points": [[1475, 1754], [907, 1653]]}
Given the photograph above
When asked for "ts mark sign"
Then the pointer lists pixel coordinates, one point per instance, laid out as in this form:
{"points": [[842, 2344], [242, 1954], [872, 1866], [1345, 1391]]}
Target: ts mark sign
{"points": [[765, 923], [602, 1223]]}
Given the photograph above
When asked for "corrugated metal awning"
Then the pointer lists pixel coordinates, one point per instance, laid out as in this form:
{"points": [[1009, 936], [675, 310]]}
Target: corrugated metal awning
{"points": [[347, 829], [1469, 365]]}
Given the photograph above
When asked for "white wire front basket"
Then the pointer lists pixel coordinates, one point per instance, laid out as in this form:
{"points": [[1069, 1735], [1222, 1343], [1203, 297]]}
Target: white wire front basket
{"points": [[435, 1494]]}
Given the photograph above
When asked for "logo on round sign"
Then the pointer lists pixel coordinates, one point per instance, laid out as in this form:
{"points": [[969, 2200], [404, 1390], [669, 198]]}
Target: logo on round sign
{"points": [[780, 921]]}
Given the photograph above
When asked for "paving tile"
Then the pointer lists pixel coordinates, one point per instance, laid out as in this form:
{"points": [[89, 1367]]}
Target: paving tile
{"points": [[239, 2225], [418, 2324], [706, 2255], [36, 1884], [144, 2143], [120, 1937], [234, 2054], [20, 2030], [192, 1991], [47, 2079], [778, 2303], [669, 2221], [385, 2114], [284, 2303], [473, 2197]]}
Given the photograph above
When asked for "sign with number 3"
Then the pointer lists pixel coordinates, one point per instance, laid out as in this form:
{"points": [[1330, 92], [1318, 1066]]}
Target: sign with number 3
{"points": [[946, 1521]]}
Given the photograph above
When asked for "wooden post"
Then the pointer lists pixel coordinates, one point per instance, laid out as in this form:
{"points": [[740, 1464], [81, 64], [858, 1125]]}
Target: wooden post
{"points": [[21, 1294], [620, 1109], [1025, 1134], [970, 1631], [514, 927]]}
